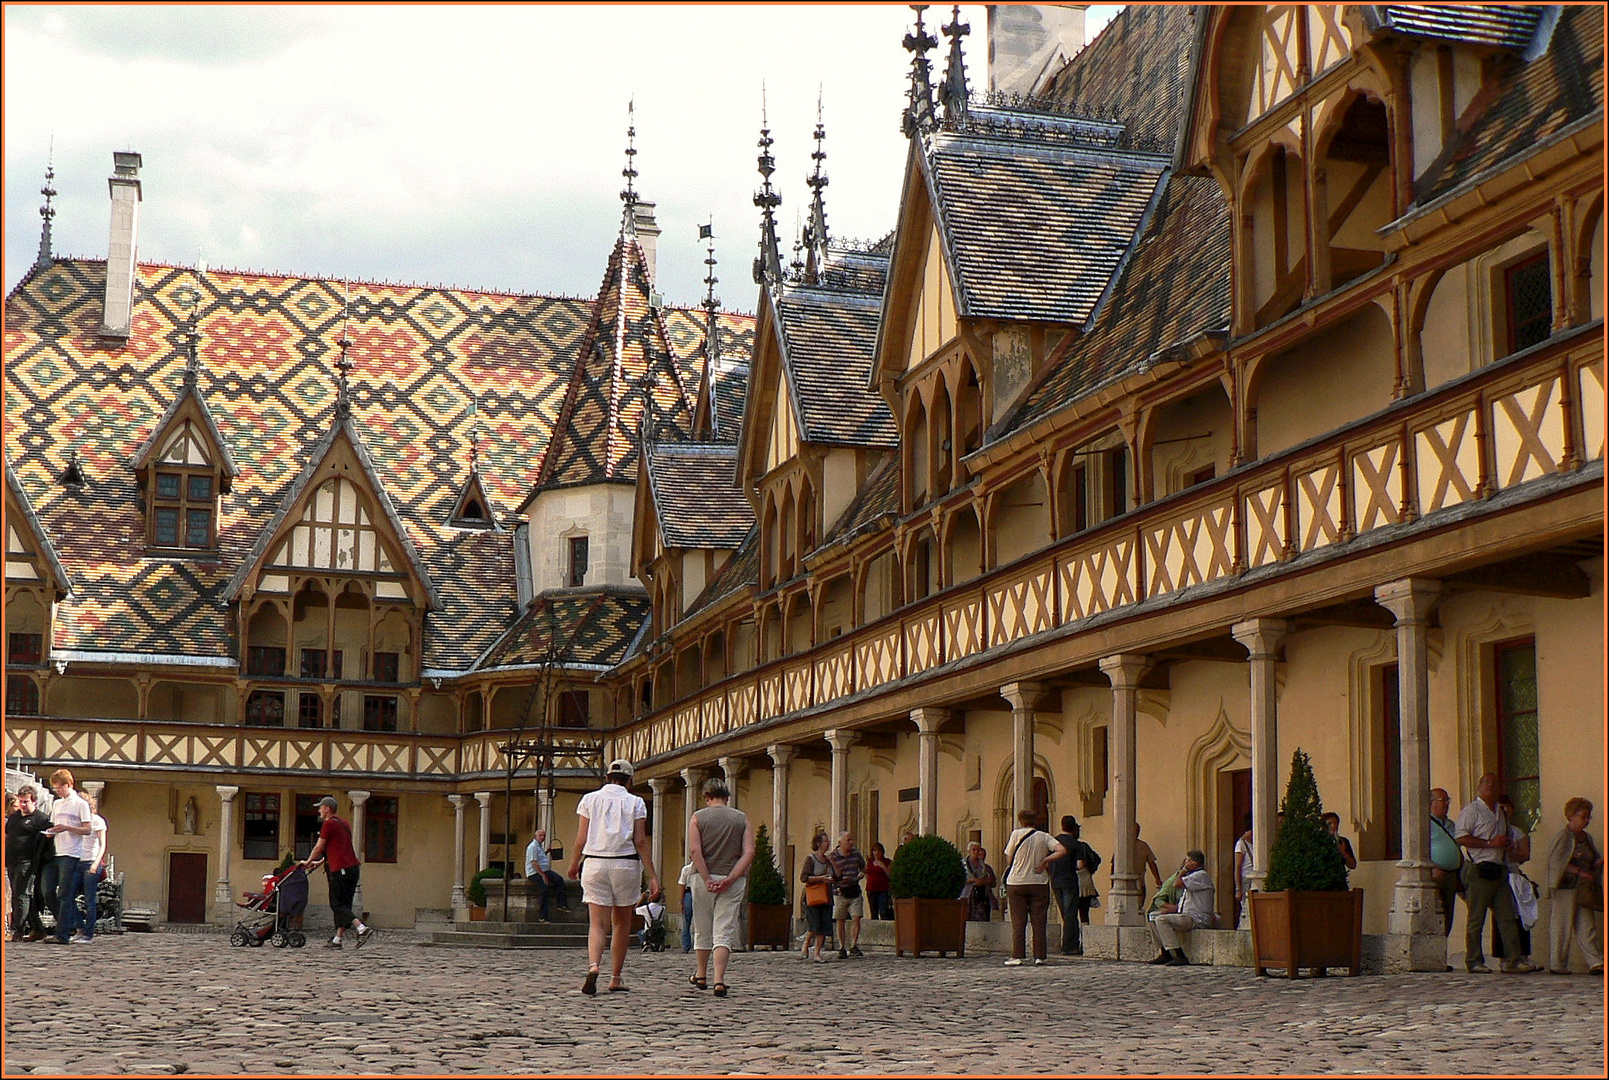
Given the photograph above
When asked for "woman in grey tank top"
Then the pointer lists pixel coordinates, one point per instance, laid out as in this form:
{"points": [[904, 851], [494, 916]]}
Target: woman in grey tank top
{"points": [[720, 841]]}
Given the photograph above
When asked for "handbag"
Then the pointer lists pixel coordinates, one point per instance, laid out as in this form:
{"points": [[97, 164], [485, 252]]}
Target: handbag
{"points": [[849, 890], [1589, 893], [817, 893]]}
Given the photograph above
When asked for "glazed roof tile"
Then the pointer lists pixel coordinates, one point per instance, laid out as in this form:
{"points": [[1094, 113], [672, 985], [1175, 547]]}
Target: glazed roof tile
{"points": [[1509, 26], [828, 339], [1136, 71], [696, 498], [1563, 86], [739, 572], [37, 528], [877, 498], [423, 356], [591, 626]]}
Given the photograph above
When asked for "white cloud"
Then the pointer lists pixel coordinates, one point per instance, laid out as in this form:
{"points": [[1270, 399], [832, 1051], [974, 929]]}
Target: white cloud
{"points": [[466, 144]]}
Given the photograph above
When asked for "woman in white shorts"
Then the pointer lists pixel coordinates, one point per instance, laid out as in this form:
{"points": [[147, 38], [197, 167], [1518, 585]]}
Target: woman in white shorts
{"points": [[613, 841], [721, 841]]}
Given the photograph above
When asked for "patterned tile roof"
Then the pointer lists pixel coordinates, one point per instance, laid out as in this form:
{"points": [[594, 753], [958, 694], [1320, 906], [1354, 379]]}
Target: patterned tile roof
{"points": [[624, 357], [878, 498], [424, 357], [828, 339], [590, 626], [684, 328], [1034, 226], [39, 536], [739, 572], [731, 382], [1509, 26], [1561, 87], [696, 498], [1136, 70], [1175, 286]]}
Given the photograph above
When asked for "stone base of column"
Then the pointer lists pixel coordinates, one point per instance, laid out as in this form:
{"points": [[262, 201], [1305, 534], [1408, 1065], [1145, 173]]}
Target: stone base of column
{"points": [[1122, 904], [1415, 908], [460, 902]]}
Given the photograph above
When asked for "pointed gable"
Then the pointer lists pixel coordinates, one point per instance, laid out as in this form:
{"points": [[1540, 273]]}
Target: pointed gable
{"points": [[933, 322], [337, 518], [472, 509], [30, 556], [187, 436], [624, 361]]}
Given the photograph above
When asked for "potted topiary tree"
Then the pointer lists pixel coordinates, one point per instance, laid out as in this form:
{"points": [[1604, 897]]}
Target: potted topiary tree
{"points": [[1306, 917], [925, 880], [769, 922], [476, 892]]}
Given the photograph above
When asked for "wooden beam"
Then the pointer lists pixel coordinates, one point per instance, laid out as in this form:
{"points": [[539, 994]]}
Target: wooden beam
{"points": [[1545, 573]]}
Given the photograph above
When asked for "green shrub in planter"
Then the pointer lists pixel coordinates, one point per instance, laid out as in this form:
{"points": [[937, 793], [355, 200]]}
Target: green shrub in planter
{"points": [[477, 890], [927, 868], [765, 880], [1305, 857]]}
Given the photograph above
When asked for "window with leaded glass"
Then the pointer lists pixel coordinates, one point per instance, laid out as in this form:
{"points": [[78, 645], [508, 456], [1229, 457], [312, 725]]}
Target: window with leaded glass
{"points": [[1529, 292], [182, 510], [23, 648], [386, 667], [380, 829], [309, 710], [265, 660], [265, 708], [22, 696], [262, 825], [1518, 747], [379, 713], [313, 664]]}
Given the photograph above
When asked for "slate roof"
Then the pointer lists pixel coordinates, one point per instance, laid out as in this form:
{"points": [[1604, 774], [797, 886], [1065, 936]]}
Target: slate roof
{"points": [[40, 537], [731, 384], [695, 493], [267, 342], [1035, 212], [625, 343], [741, 571], [572, 626], [684, 329], [878, 497], [1508, 26], [828, 339], [1136, 71], [1175, 286], [1561, 87]]}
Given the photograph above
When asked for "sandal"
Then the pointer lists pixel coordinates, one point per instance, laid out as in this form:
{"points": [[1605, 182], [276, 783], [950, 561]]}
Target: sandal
{"points": [[619, 989], [720, 989], [697, 983], [590, 986]]}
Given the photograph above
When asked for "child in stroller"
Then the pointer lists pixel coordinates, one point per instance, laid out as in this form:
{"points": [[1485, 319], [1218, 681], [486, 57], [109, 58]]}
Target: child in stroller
{"points": [[270, 915], [652, 934]]}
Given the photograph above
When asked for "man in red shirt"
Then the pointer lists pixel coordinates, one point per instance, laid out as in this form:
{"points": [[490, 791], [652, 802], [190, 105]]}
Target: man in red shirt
{"points": [[341, 865]]}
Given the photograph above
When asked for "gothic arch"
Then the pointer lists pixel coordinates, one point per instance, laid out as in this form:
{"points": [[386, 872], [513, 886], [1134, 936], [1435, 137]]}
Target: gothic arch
{"points": [[1222, 746]]}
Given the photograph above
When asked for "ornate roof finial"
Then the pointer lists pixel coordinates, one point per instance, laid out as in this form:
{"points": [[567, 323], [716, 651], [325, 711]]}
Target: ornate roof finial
{"points": [[797, 265], [919, 109], [343, 363], [629, 195], [768, 266], [474, 437], [192, 338], [711, 304], [954, 91], [47, 211], [712, 330], [816, 227]]}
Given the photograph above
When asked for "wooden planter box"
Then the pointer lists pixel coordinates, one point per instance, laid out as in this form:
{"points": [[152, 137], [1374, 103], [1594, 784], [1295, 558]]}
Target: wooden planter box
{"points": [[477, 914], [930, 926], [770, 924], [1295, 930]]}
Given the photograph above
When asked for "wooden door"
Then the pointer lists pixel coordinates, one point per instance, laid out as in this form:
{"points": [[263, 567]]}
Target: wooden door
{"points": [[1239, 810], [187, 887]]}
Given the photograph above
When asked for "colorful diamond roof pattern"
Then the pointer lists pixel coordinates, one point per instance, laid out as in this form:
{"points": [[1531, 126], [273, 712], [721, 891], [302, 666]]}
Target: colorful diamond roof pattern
{"points": [[571, 627]]}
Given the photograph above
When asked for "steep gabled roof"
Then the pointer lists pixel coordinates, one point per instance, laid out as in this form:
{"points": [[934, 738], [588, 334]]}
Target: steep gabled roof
{"points": [[1506, 26], [189, 391], [827, 338], [343, 430], [36, 532], [696, 498], [624, 360]]}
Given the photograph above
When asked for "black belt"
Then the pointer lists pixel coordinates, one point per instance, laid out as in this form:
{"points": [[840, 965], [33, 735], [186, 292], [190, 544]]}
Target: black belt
{"points": [[633, 855]]}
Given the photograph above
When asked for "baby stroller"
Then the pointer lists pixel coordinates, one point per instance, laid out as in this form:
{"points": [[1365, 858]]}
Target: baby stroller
{"points": [[268, 915], [653, 926]]}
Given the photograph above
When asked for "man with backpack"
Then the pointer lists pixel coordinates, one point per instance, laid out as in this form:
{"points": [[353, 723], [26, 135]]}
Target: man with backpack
{"points": [[1068, 884]]}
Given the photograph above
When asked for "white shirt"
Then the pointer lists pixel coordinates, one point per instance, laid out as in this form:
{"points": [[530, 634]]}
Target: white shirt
{"points": [[1197, 899], [1484, 823], [1242, 847], [537, 860], [611, 813], [72, 810], [94, 845]]}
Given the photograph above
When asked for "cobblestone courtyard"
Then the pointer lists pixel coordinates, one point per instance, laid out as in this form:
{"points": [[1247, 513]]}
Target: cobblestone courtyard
{"points": [[165, 1003]]}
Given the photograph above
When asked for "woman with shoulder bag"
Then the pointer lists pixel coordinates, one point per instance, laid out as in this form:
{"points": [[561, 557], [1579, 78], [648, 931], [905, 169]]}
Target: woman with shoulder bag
{"points": [[1029, 850], [1575, 881], [816, 875], [979, 890]]}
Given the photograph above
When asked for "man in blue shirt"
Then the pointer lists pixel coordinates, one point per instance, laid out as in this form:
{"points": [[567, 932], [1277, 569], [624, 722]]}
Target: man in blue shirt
{"points": [[1446, 854], [539, 869]]}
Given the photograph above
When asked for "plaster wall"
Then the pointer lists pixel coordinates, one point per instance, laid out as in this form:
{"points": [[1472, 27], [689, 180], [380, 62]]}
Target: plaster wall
{"points": [[840, 482], [1329, 380]]}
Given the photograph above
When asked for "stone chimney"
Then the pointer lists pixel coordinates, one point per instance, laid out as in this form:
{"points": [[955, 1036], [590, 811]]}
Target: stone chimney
{"points": [[124, 184], [648, 237], [1029, 42]]}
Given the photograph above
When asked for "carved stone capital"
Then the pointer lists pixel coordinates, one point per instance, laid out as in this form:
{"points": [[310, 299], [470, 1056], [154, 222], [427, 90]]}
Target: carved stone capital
{"points": [[1411, 600], [1261, 637], [1124, 670]]}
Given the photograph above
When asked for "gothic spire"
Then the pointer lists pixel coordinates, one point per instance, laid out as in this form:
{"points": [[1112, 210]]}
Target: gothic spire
{"points": [[816, 228], [628, 196], [953, 93], [768, 266], [919, 109], [47, 212]]}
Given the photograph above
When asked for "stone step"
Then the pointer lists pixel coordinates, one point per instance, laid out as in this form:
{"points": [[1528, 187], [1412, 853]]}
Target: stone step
{"points": [[496, 940]]}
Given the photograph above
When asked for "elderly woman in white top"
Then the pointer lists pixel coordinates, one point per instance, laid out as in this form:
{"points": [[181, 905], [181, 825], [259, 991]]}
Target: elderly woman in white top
{"points": [[612, 838]]}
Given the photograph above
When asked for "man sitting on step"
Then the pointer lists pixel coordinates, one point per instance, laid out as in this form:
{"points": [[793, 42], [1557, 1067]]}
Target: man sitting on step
{"points": [[1193, 910]]}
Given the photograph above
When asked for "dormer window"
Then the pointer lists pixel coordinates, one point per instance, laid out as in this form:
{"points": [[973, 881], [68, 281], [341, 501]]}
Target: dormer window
{"points": [[183, 509], [183, 472]]}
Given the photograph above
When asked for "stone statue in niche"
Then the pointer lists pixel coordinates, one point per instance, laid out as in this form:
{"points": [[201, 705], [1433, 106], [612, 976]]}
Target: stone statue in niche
{"points": [[191, 814]]}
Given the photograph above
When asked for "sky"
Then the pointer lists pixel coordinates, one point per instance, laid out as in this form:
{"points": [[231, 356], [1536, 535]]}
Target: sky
{"points": [[471, 145]]}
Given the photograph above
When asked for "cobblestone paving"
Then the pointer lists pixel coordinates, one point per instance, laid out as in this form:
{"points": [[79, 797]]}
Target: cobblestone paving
{"points": [[171, 1003]]}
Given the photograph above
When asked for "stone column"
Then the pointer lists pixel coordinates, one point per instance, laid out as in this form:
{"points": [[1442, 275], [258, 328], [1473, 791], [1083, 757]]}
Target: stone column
{"points": [[927, 767], [1261, 638], [460, 898], [544, 812], [693, 780], [1023, 696], [1123, 906], [359, 843], [1414, 901], [93, 790], [729, 767], [659, 785], [223, 894], [781, 754], [484, 854], [840, 741]]}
